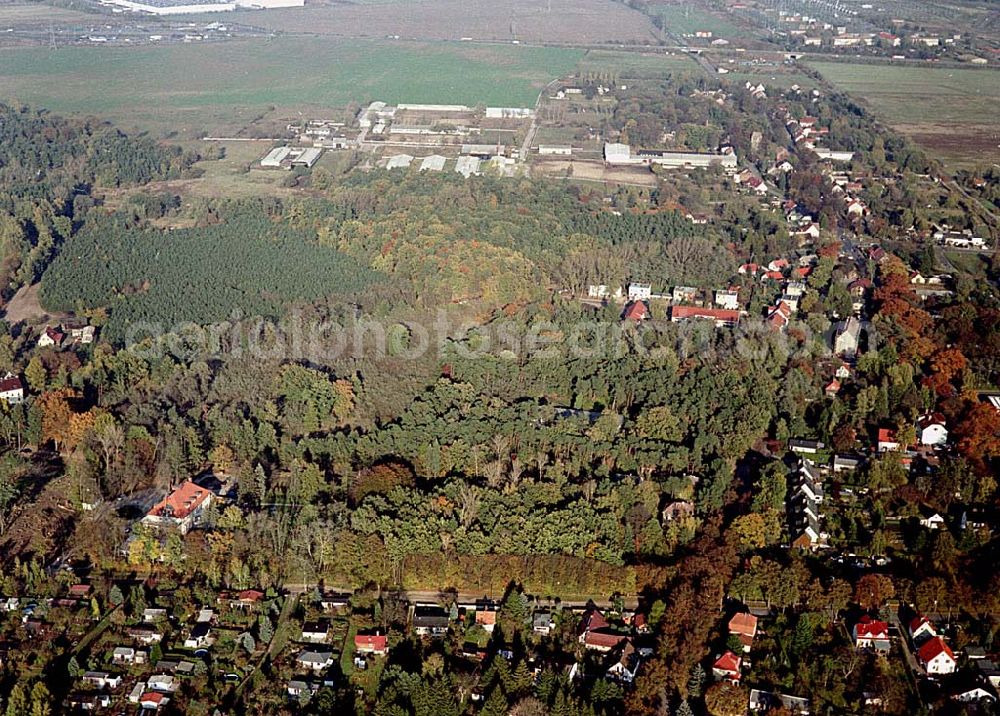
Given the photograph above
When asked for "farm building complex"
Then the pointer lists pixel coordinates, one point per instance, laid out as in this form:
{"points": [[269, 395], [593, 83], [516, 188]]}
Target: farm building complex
{"points": [[184, 7]]}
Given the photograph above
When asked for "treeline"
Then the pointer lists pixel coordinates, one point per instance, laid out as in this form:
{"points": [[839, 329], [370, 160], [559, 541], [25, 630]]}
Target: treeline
{"points": [[250, 263]]}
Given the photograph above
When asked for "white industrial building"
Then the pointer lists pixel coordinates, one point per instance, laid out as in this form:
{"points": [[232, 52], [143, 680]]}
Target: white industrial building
{"points": [[399, 161], [275, 157], [832, 155], [509, 113], [622, 154], [433, 163], [184, 7], [468, 166], [434, 107], [288, 157], [687, 160], [484, 151], [307, 157], [555, 149], [615, 153]]}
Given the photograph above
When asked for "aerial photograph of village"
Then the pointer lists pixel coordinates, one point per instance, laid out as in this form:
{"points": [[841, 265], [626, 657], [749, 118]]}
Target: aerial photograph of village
{"points": [[520, 357]]}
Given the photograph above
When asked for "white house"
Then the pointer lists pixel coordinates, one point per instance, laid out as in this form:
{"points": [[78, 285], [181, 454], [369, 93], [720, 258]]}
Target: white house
{"points": [[921, 628], [727, 299], [315, 632], [164, 683], [684, 294], [639, 291], [936, 657], [932, 429], [598, 290], [102, 679], [199, 637], [11, 389], [315, 660]]}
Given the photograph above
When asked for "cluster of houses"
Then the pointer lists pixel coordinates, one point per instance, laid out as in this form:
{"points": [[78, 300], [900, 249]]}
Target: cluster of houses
{"points": [[932, 656], [622, 643], [742, 629], [958, 238], [69, 333], [129, 673], [721, 306]]}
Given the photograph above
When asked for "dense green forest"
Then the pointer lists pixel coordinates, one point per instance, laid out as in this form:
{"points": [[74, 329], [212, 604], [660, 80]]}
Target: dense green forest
{"points": [[48, 167], [249, 262]]}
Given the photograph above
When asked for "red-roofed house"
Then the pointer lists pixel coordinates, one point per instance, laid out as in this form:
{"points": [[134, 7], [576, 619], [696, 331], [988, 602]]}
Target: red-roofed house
{"points": [[153, 700], [249, 597], [11, 389], [593, 619], [871, 634], [749, 268], [721, 316], [936, 657], [832, 388], [778, 316], [50, 337], [487, 619], [602, 640], [595, 633], [182, 508], [79, 591], [371, 644], [727, 667], [887, 441], [636, 311], [744, 626], [921, 628]]}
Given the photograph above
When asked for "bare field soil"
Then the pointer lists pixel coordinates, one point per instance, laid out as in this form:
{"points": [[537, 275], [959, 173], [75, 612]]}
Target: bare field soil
{"points": [[33, 13], [572, 21], [951, 112], [960, 145], [594, 170], [24, 306]]}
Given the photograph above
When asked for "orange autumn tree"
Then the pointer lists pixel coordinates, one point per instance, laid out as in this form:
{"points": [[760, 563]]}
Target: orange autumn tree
{"points": [[945, 365], [57, 412], [977, 434], [898, 303]]}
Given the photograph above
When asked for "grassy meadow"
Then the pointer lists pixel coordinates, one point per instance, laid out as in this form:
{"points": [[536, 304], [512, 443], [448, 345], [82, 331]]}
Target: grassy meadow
{"points": [[189, 89], [951, 112]]}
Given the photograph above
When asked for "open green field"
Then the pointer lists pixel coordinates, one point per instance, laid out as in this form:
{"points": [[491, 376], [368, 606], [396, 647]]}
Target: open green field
{"points": [[193, 89], [687, 19], [951, 112], [636, 65]]}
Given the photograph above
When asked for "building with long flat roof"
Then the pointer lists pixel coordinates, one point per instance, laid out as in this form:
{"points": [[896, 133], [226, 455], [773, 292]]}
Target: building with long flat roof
{"points": [[468, 166], [433, 163], [186, 7], [399, 161], [275, 157], [307, 158]]}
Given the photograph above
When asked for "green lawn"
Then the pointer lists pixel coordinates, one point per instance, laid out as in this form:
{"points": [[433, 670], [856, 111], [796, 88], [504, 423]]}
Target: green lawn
{"points": [[194, 88]]}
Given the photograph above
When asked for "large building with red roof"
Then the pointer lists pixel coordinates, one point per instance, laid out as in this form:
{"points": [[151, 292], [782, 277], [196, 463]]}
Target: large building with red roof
{"points": [[721, 316], [182, 508]]}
